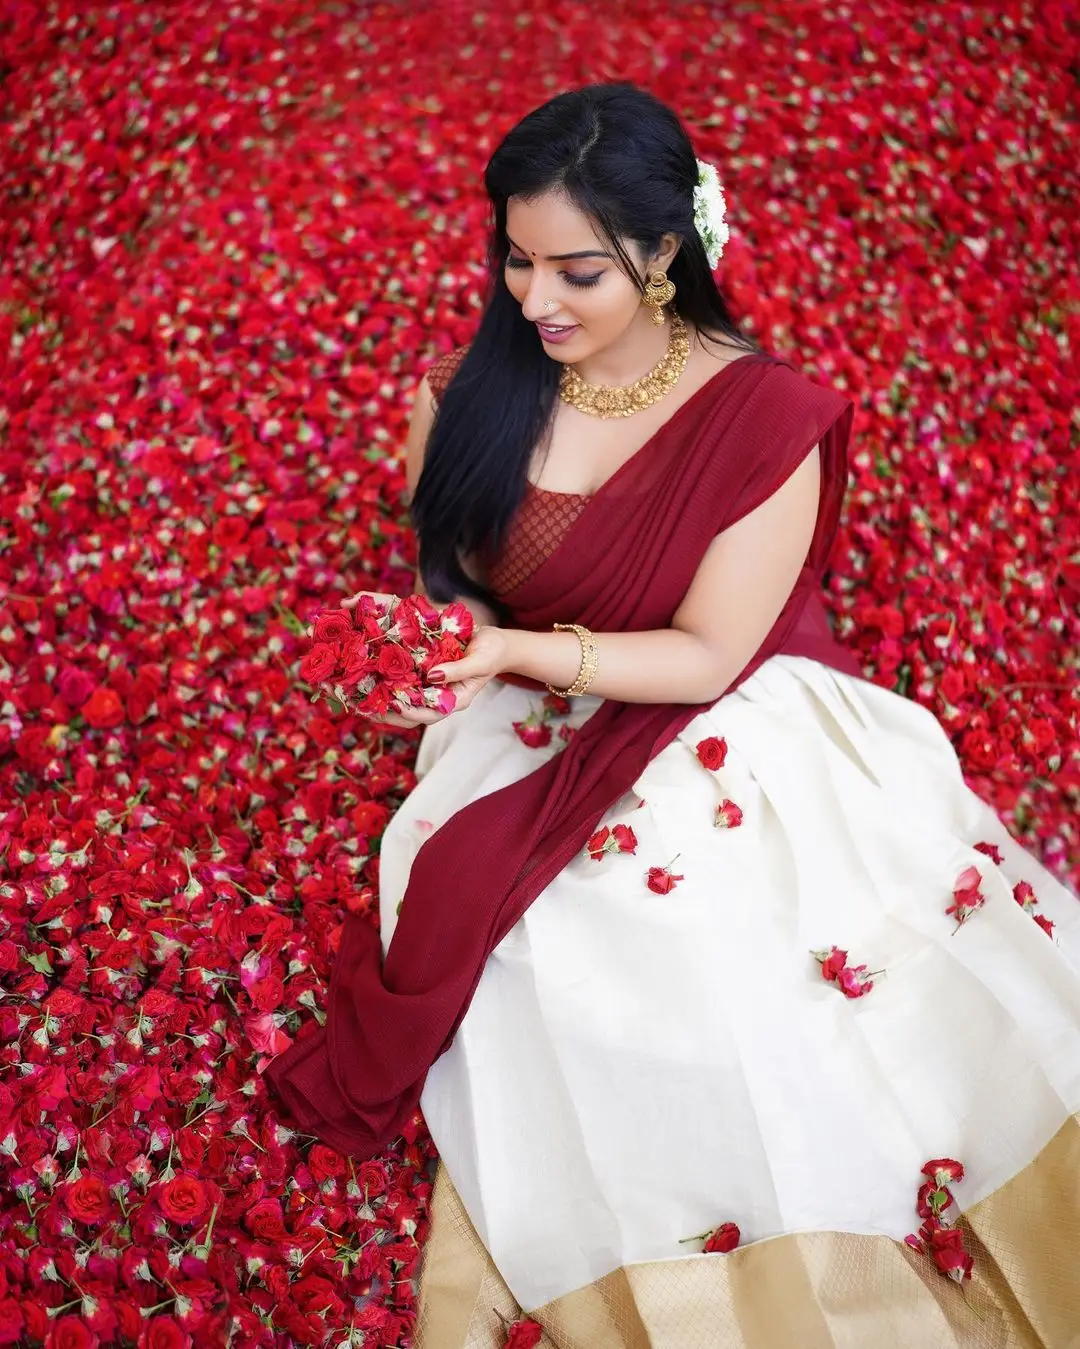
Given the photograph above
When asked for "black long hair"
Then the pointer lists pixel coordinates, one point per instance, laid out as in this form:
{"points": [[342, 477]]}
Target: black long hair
{"points": [[624, 159]]}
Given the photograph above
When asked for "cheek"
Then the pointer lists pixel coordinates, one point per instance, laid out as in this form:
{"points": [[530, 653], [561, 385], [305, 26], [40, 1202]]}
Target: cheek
{"points": [[517, 283]]}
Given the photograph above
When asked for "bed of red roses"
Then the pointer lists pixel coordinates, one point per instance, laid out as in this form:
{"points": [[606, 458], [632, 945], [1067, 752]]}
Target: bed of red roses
{"points": [[231, 238]]}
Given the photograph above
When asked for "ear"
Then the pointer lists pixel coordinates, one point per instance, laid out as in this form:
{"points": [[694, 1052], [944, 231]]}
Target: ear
{"points": [[665, 252]]}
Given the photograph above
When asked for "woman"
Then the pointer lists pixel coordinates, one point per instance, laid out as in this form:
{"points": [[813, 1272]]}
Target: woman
{"points": [[613, 1007]]}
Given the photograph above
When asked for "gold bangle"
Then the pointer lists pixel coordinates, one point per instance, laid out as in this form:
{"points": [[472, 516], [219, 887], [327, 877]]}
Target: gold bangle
{"points": [[587, 668]]}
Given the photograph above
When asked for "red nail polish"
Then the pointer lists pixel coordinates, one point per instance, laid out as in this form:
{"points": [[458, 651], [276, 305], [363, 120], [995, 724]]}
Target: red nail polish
{"points": [[437, 677]]}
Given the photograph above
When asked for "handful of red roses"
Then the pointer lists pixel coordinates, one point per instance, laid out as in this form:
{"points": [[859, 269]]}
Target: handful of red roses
{"points": [[374, 660]]}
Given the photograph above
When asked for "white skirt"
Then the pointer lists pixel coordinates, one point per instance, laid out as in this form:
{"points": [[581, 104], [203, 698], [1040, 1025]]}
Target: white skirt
{"points": [[636, 1068]]}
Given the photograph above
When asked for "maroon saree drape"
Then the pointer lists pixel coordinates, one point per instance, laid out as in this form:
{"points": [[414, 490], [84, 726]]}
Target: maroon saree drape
{"points": [[624, 565]]}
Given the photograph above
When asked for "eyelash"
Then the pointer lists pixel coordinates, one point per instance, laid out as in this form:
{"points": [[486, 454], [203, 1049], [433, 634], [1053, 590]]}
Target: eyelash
{"points": [[582, 282]]}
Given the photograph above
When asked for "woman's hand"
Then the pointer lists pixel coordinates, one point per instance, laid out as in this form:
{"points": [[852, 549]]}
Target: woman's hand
{"points": [[483, 659]]}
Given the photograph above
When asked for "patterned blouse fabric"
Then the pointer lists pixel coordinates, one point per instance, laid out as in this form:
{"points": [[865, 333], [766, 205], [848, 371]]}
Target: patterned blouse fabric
{"points": [[542, 520]]}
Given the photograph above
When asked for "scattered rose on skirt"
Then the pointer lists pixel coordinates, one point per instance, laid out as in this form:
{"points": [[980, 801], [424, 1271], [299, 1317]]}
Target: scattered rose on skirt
{"points": [[375, 660]]}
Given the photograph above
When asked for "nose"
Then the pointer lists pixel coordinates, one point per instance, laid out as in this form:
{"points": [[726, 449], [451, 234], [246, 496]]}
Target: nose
{"points": [[532, 306]]}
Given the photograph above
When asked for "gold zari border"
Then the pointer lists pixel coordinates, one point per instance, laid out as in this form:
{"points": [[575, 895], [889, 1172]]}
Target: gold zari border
{"points": [[819, 1290]]}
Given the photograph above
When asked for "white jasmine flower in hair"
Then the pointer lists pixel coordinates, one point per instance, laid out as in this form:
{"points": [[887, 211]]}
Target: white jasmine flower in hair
{"points": [[709, 212]]}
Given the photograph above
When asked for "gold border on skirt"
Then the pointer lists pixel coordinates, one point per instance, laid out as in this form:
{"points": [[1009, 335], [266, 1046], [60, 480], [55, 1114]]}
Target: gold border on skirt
{"points": [[817, 1290]]}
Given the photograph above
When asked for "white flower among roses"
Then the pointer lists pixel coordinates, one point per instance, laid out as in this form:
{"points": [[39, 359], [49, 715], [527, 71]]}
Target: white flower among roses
{"points": [[375, 659], [710, 210]]}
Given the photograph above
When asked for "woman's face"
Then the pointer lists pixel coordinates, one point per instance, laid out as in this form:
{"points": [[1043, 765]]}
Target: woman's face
{"points": [[594, 303]]}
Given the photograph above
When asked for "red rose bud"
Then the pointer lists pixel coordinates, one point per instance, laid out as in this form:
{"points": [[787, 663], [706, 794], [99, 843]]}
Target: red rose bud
{"points": [[728, 815], [660, 880], [832, 962], [1024, 895], [944, 1171], [712, 752], [967, 897], [854, 981], [533, 732], [523, 1335], [990, 850], [725, 1238], [945, 1246], [932, 1200], [1045, 923]]}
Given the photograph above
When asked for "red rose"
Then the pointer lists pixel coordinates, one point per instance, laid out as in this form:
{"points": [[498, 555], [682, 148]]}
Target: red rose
{"points": [[854, 982], [534, 734], [660, 880], [183, 1199], [319, 663], [728, 815], [524, 1335], [619, 839], [11, 1321], [264, 1220], [88, 1201], [356, 659], [725, 1238], [162, 1332], [946, 1247], [832, 962], [944, 1171], [333, 625], [74, 686], [712, 752], [9, 958], [315, 1294], [625, 838], [967, 897], [324, 1162], [372, 1178], [394, 662], [1045, 923], [1024, 895], [69, 1332], [104, 711], [369, 818], [932, 1200]]}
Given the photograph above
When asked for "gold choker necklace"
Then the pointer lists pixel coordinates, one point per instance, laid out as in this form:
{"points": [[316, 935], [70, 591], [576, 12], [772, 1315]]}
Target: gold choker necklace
{"points": [[613, 400]]}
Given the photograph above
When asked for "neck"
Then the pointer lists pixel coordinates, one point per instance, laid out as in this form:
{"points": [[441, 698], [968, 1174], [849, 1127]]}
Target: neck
{"points": [[629, 358]]}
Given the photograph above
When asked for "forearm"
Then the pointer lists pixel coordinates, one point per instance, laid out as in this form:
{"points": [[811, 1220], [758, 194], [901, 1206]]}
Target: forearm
{"points": [[665, 665]]}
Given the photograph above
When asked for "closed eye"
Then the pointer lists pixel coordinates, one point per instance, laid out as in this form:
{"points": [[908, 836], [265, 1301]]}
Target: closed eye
{"points": [[580, 281]]}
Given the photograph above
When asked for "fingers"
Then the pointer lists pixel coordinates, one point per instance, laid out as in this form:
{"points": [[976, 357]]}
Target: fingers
{"points": [[455, 672]]}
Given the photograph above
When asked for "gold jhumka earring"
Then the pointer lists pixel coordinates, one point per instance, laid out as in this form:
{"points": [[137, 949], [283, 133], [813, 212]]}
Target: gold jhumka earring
{"points": [[659, 292]]}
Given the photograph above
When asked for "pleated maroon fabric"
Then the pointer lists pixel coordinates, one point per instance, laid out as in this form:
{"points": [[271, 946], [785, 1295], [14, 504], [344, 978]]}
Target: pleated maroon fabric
{"points": [[624, 565]]}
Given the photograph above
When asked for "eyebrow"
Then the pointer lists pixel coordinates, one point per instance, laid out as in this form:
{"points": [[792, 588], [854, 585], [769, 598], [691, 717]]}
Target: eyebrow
{"points": [[562, 257]]}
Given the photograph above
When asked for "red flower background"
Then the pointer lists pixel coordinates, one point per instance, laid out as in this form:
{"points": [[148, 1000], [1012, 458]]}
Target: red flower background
{"points": [[232, 237]]}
